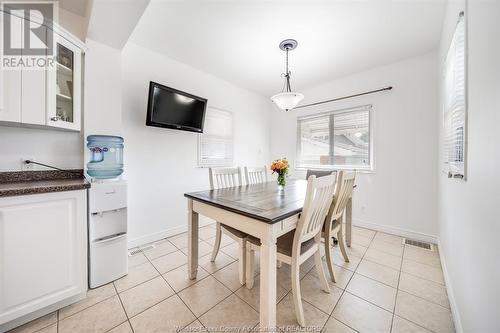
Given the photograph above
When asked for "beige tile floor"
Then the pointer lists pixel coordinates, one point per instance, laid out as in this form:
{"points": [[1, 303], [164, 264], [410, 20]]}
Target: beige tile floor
{"points": [[386, 287]]}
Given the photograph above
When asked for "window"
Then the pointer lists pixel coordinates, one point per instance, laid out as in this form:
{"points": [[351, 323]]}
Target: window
{"points": [[215, 146], [335, 140], [455, 105]]}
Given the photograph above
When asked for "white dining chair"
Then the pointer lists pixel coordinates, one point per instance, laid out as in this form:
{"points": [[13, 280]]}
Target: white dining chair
{"points": [[223, 178], [298, 245], [319, 173], [333, 223], [255, 175]]}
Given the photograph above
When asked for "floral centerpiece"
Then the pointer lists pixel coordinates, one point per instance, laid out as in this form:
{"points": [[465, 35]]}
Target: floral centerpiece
{"points": [[281, 168]]}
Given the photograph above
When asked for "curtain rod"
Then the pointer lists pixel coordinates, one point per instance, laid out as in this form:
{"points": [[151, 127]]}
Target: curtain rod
{"points": [[345, 97]]}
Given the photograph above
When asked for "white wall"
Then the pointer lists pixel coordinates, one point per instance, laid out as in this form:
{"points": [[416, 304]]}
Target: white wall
{"points": [[103, 91], [61, 149], [161, 163], [400, 196], [469, 210]]}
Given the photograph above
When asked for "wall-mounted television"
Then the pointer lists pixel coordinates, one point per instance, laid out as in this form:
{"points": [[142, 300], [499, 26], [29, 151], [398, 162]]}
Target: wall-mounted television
{"points": [[172, 108]]}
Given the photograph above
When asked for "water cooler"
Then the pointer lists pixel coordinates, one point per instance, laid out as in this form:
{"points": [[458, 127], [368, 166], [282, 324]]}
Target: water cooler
{"points": [[107, 211]]}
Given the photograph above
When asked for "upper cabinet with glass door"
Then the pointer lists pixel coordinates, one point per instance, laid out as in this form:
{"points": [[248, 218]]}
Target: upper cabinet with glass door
{"points": [[49, 96], [64, 86]]}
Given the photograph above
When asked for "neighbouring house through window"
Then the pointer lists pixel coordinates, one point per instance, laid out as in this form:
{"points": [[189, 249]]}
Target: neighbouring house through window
{"points": [[335, 140]]}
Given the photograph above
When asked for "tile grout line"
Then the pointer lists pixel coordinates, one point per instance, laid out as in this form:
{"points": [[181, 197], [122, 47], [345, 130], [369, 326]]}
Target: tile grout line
{"points": [[422, 263], [345, 289], [442, 285], [125, 311], [397, 290], [175, 293], [417, 324], [308, 272], [243, 286], [234, 292], [197, 318]]}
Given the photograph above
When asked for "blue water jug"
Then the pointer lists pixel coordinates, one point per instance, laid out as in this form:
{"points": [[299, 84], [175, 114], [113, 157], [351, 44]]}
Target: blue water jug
{"points": [[106, 156]]}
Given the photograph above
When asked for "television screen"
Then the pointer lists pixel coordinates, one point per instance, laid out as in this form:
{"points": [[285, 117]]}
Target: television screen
{"points": [[172, 108]]}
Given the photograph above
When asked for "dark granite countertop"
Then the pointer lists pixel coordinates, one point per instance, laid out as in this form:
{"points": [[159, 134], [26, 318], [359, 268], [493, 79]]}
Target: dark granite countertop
{"points": [[33, 182]]}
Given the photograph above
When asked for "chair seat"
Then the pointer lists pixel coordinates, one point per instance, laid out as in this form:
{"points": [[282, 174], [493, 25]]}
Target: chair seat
{"points": [[235, 232], [284, 243]]}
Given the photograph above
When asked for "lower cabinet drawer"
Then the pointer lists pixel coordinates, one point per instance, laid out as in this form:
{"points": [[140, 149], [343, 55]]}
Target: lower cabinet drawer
{"points": [[108, 260]]}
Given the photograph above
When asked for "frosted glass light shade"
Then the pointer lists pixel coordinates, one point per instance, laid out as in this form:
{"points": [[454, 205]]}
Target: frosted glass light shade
{"points": [[287, 100]]}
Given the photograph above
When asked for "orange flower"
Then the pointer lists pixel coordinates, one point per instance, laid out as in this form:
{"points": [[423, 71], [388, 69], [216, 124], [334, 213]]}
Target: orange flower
{"points": [[279, 165]]}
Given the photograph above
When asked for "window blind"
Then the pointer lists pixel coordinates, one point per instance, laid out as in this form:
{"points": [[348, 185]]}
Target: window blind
{"points": [[455, 104], [339, 139], [215, 144]]}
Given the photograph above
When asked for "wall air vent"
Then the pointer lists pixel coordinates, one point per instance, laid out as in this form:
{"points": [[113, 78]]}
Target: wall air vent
{"points": [[137, 250], [423, 245]]}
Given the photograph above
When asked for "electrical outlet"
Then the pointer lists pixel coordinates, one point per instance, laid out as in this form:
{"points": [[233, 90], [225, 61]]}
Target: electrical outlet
{"points": [[25, 166]]}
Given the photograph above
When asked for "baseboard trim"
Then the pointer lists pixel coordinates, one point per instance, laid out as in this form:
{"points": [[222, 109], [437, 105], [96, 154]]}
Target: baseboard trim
{"points": [[41, 312], [396, 231], [451, 295], [153, 237]]}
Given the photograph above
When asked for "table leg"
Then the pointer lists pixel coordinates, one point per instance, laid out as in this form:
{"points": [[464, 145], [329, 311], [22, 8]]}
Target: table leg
{"points": [[192, 241], [348, 222], [268, 286]]}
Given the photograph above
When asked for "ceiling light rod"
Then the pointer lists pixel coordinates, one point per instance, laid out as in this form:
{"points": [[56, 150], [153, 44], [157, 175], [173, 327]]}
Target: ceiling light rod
{"points": [[287, 99], [286, 46], [346, 97]]}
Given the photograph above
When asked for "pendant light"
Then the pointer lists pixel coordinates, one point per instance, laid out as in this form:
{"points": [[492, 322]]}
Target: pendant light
{"points": [[287, 100]]}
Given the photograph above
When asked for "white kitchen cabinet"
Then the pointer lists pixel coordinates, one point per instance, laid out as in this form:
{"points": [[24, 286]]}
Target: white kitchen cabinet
{"points": [[43, 252], [10, 80], [49, 97], [34, 94]]}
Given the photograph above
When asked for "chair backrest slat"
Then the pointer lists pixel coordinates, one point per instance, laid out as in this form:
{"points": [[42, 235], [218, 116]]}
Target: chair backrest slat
{"points": [[318, 199], [255, 175], [224, 177]]}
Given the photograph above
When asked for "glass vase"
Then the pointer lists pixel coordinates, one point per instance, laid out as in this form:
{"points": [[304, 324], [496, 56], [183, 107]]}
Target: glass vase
{"points": [[281, 180]]}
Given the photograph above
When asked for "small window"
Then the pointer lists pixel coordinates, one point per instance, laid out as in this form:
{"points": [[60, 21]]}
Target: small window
{"points": [[335, 140], [455, 105], [215, 144]]}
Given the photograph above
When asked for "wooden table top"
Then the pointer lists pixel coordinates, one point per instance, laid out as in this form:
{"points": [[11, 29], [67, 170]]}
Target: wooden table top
{"points": [[263, 202]]}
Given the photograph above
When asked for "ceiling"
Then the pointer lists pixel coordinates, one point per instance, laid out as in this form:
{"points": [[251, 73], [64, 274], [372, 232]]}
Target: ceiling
{"points": [[78, 7], [238, 40], [107, 27]]}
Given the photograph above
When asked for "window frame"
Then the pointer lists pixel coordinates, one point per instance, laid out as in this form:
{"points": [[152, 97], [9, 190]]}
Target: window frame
{"points": [[456, 169], [370, 168], [228, 162]]}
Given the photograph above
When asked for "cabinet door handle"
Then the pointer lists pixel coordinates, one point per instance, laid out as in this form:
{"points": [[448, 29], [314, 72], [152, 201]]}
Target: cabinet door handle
{"points": [[56, 118]]}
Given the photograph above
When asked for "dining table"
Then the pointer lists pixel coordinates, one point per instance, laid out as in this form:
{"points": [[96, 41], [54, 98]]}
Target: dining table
{"points": [[265, 211]]}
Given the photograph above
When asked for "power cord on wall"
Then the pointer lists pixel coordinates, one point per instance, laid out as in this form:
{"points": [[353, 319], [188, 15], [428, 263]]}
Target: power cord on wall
{"points": [[52, 167]]}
